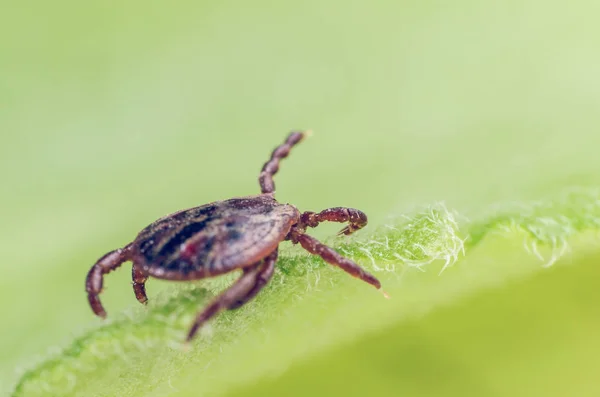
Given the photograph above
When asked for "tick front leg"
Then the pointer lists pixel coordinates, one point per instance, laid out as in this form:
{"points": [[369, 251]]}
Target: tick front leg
{"points": [[139, 283], [248, 285], [356, 219], [331, 256], [271, 167], [95, 277]]}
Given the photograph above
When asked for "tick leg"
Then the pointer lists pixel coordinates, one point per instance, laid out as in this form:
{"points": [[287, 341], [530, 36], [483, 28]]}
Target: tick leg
{"points": [[272, 166], [242, 290], [356, 219], [139, 283], [330, 256], [263, 277], [94, 280]]}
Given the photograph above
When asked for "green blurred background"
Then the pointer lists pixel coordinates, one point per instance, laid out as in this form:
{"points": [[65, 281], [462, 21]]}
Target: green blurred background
{"points": [[115, 113]]}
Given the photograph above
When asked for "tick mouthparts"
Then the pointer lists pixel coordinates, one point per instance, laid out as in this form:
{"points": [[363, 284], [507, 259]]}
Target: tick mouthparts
{"points": [[385, 294]]}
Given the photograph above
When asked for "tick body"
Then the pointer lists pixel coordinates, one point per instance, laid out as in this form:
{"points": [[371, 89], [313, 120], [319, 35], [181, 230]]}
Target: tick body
{"points": [[240, 233]]}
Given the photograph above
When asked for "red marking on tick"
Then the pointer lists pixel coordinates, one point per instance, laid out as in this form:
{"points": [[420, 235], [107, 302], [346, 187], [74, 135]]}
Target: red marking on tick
{"points": [[188, 251]]}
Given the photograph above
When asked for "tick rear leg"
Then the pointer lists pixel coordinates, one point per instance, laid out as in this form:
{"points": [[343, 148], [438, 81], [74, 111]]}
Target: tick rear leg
{"points": [[247, 286], [272, 166], [356, 219], [94, 280], [331, 256], [139, 283], [263, 277]]}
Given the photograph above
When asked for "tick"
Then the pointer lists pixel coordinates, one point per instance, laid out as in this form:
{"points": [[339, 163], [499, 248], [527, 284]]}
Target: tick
{"points": [[240, 233]]}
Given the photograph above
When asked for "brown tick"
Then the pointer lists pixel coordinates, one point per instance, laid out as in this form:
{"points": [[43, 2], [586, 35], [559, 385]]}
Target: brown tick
{"points": [[239, 233]]}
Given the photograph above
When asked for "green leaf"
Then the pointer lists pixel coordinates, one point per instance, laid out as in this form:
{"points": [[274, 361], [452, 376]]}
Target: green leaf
{"points": [[309, 308]]}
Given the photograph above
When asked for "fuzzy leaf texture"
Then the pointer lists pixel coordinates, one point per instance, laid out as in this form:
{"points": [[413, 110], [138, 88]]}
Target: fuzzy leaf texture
{"points": [[430, 259]]}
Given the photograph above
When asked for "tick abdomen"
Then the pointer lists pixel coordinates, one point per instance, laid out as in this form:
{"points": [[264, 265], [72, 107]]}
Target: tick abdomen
{"points": [[214, 238]]}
